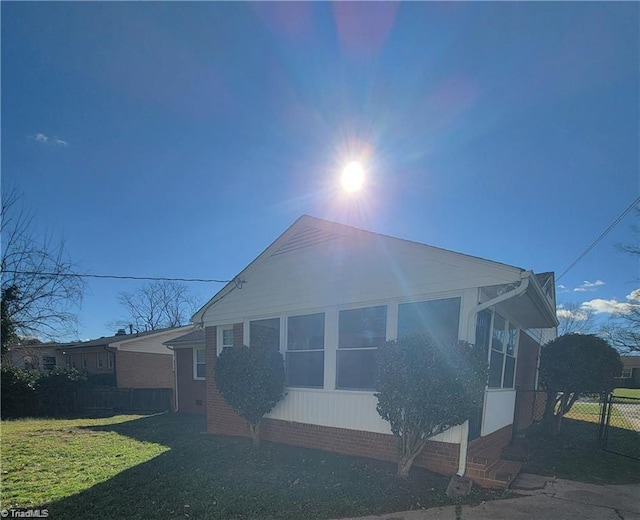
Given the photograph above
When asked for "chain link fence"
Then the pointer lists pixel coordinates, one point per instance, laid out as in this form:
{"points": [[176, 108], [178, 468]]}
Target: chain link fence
{"points": [[622, 426], [594, 422], [531, 405]]}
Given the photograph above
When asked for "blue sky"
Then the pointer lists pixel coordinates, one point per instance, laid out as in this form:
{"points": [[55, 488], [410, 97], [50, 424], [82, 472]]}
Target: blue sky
{"points": [[180, 139]]}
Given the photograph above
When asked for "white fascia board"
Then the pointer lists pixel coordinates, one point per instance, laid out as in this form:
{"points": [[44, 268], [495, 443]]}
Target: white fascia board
{"points": [[160, 337]]}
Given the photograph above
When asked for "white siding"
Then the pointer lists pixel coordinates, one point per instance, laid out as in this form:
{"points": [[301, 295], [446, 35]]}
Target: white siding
{"points": [[499, 406], [153, 343], [340, 409], [349, 270]]}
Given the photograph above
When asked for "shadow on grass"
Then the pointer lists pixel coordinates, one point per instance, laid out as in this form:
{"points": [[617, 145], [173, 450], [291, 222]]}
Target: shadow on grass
{"points": [[216, 477], [575, 454]]}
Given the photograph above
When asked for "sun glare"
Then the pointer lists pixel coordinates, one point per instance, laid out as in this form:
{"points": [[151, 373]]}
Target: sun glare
{"points": [[352, 177]]}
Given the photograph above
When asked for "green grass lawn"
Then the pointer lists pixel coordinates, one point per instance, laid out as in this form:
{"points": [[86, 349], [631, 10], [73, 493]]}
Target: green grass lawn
{"points": [[590, 412], [165, 466], [627, 392]]}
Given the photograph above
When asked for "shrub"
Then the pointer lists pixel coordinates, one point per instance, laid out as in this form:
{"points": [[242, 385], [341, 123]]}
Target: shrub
{"points": [[572, 366], [29, 393], [425, 389], [251, 380], [18, 392], [57, 391]]}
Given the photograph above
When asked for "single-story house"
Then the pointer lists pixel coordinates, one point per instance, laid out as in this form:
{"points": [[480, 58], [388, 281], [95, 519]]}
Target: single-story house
{"points": [[190, 393], [138, 360], [32, 354], [328, 295], [630, 375]]}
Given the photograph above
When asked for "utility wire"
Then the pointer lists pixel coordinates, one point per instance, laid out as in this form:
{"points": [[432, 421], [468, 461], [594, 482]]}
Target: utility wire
{"points": [[122, 277], [602, 235]]}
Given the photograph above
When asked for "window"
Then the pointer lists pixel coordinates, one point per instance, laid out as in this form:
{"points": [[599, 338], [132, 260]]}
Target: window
{"points": [[265, 333], [305, 351], [499, 338], [84, 360], [496, 360], [225, 337], [110, 360], [626, 373], [99, 360], [198, 363], [48, 362], [360, 333], [438, 319]]}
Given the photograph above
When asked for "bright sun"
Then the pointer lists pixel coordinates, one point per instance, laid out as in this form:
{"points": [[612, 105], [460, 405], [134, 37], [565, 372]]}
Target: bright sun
{"points": [[352, 177]]}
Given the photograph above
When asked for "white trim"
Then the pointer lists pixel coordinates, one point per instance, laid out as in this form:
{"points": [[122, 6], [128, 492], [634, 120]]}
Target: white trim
{"points": [[220, 337], [325, 378], [195, 363], [338, 349]]}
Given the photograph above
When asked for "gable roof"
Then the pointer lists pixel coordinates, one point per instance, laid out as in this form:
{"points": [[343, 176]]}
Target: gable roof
{"points": [[106, 341], [316, 242], [196, 336]]}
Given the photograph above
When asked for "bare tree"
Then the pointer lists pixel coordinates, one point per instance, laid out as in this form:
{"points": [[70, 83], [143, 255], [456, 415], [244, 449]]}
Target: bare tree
{"points": [[158, 305], [574, 318], [622, 330], [41, 289]]}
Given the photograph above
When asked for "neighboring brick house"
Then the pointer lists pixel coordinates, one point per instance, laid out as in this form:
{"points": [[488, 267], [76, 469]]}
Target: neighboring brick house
{"points": [[139, 360], [34, 355], [630, 375], [327, 295], [190, 372]]}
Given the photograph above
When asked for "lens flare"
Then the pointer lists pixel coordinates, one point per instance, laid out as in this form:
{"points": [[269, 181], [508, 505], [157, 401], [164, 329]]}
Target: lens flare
{"points": [[352, 177]]}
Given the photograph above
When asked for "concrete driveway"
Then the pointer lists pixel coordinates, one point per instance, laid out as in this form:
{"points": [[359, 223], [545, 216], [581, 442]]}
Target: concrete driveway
{"points": [[546, 498]]}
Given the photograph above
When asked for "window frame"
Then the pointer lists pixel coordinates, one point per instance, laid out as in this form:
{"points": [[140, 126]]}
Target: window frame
{"points": [[340, 349], [47, 364], [196, 363], [628, 371], [110, 356], [505, 342], [290, 354], [249, 340], [220, 345], [427, 300]]}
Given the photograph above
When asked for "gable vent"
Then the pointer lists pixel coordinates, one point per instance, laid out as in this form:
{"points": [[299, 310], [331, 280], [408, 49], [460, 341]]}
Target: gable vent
{"points": [[306, 237]]}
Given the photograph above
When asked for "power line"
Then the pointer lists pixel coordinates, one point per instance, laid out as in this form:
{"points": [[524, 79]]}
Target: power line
{"points": [[123, 277], [602, 235]]}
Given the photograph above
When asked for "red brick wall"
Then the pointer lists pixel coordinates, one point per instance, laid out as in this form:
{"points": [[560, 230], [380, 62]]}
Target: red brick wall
{"points": [[143, 370], [528, 404], [220, 416], [191, 392], [488, 448]]}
